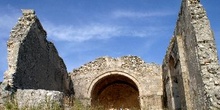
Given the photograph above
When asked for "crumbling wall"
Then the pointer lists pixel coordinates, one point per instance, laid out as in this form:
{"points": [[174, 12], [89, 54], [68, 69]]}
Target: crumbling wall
{"points": [[33, 62], [190, 70], [107, 72], [196, 51], [176, 77], [40, 99]]}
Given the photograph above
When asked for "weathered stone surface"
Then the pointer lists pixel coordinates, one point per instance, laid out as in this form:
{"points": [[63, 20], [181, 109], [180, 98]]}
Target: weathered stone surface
{"points": [[4, 94], [187, 80], [192, 61], [99, 79], [33, 62], [43, 99]]}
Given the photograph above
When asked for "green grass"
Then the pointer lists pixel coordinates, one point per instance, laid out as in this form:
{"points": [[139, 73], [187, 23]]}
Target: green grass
{"points": [[77, 105], [72, 104], [13, 105]]}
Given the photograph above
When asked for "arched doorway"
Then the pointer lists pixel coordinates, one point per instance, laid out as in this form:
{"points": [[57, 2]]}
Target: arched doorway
{"points": [[115, 91]]}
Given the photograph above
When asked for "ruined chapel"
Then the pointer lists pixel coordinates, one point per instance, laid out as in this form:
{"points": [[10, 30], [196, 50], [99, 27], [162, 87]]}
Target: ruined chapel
{"points": [[188, 78]]}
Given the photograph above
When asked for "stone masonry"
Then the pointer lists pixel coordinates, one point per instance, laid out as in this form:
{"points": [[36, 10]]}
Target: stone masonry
{"points": [[33, 61], [191, 70], [188, 78], [124, 71]]}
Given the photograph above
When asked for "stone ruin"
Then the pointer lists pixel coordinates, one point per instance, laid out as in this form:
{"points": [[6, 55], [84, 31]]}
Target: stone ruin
{"points": [[119, 83], [34, 66], [188, 79]]}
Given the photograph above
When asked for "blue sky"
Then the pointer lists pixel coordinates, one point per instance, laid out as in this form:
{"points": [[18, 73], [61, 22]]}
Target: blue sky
{"points": [[83, 30]]}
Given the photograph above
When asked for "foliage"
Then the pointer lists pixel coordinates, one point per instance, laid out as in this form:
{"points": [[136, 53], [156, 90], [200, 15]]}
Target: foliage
{"points": [[75, 105], [13, 105]]}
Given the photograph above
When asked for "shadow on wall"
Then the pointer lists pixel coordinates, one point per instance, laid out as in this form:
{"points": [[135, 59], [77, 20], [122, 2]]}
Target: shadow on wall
{"points": [[34, 62], [115, 91]]}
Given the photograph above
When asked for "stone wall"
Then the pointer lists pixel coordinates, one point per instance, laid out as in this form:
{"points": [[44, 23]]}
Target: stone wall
{"points": [[176, 77], [41, 99], [188, 79], [33, 62], [192, 58], [127, 71]]}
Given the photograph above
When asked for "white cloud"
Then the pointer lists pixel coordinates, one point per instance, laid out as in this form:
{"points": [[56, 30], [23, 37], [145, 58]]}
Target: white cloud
{"points": [[97, 31], [83, 33], [132, 14], [8, 19]]}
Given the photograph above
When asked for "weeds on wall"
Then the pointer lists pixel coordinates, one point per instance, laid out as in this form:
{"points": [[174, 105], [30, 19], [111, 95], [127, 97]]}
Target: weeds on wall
{"points": [[69, 104], [12, 104]]}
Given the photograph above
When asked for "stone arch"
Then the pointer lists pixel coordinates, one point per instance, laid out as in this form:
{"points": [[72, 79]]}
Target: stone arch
{"points": [[133, 72], [115, 89]]}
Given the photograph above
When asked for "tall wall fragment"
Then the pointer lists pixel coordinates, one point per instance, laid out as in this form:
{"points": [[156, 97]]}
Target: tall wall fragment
{"points": [[191, 70], [33, 62]]}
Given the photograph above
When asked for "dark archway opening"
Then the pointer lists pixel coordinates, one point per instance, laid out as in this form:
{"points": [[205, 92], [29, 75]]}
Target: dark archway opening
{"points": [[115, 91]]}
